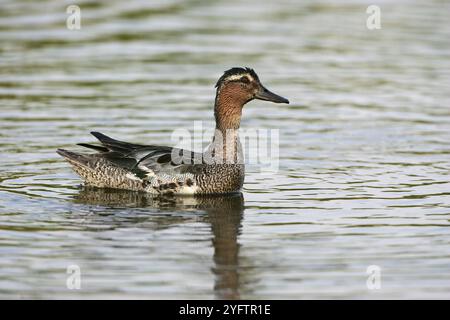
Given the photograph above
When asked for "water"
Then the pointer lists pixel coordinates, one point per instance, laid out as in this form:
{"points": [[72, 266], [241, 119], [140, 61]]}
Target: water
{"points": [[364, 164]]}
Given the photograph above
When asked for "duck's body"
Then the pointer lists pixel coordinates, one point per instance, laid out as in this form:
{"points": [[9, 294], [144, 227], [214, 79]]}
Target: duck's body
{"points": [[167, 170], [129, 166]]}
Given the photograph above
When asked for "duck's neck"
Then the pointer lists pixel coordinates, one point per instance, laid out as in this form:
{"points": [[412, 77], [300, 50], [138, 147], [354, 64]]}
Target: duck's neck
{"points": [[227, 111]]}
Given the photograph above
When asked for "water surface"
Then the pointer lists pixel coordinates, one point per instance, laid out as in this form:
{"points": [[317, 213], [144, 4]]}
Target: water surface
{"points": [[364, 164]]}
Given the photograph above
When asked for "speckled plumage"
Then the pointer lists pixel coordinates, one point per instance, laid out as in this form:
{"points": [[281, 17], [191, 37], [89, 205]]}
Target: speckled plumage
{"points": [[167, 170]]}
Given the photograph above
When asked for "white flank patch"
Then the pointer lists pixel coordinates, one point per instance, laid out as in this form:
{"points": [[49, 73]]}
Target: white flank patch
{"points": [[132, 177], [150, 173], [188, 190]]}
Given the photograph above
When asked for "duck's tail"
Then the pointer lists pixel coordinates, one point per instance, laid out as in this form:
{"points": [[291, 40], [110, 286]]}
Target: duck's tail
{"points": [[97, 172], [74, 158]]}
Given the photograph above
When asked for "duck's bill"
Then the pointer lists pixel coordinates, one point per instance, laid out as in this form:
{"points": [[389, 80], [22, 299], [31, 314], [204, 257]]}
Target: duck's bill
{"points": [[267, 95]]}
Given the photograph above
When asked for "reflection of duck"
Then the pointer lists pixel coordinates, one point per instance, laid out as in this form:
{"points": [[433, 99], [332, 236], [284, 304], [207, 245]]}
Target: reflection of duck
{"points": [[162, 170], [223, 213]]}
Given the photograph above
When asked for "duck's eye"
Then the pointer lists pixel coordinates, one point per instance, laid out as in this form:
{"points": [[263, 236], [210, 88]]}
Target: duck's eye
{"points": [[245, 80]]}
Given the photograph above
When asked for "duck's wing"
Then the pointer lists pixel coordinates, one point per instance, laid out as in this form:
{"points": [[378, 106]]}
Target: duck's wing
{"points": [[145, 160]]}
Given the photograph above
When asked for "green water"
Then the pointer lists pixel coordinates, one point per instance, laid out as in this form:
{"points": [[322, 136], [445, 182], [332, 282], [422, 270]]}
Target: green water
{"points": [[364, 162]]}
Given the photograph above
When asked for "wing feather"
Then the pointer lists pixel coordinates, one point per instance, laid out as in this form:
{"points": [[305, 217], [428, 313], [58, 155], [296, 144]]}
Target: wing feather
{"points": [[145, 159]]}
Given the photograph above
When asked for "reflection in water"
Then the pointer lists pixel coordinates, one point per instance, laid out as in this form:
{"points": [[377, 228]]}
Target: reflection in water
{"points": [[225, 216], [223, 213]]}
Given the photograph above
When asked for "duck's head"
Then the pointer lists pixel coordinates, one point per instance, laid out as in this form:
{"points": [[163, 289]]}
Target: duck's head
{"points": [[235, 88], [242, 85]]}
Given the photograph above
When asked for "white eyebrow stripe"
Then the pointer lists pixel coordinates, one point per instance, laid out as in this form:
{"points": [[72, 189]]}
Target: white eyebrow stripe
{"points": [[239, 76]]}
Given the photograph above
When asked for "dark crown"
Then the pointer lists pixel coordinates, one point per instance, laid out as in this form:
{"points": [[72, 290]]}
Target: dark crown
{"points": [[236, 71]]}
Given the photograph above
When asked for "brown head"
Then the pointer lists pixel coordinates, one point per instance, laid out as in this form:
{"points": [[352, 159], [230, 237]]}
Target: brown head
{"points": [[235, 88]]}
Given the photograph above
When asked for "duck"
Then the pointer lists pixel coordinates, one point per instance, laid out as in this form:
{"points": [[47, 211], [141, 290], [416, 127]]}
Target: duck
{"points": [[163, 170]]}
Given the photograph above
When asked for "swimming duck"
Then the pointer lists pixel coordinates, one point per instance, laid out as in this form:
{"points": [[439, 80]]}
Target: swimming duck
{"points": [[167, 170]]}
